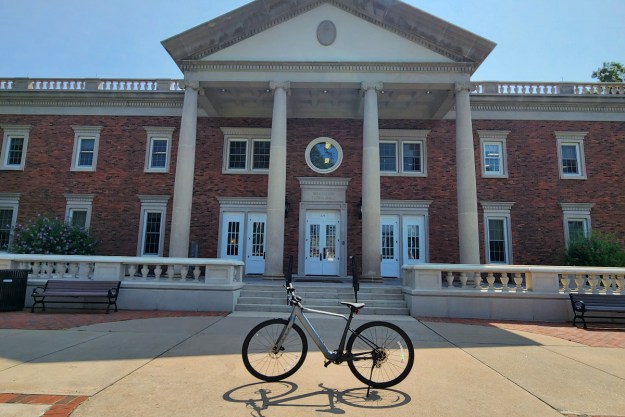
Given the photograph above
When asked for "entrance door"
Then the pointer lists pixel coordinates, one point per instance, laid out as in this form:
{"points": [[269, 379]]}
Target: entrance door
{"points": [[256, 225], [414, 240], [232, 235], [322, 243], [389, 266]]}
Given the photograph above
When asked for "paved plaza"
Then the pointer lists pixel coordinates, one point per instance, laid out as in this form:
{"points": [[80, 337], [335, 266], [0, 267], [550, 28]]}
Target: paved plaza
{"points": [[188, 364]]}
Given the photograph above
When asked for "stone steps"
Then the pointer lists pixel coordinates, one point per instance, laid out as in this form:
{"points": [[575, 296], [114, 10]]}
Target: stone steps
{"points": [[379, 300]]}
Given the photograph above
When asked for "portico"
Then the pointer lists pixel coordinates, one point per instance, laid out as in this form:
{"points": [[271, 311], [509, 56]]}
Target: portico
{"points": [[310, 62]]}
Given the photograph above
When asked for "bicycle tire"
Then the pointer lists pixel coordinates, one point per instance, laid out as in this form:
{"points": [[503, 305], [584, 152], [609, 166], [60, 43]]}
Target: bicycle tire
{"points": [[259, 358], [389, 345]]}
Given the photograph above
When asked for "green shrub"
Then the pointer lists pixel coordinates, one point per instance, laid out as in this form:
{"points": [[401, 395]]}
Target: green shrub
{"points": [[597, 250], [46, 236]]}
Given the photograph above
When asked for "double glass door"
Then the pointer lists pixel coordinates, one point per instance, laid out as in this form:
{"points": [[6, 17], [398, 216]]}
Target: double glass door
{"points": [[245, 241], [402, 243], [322, 243]]}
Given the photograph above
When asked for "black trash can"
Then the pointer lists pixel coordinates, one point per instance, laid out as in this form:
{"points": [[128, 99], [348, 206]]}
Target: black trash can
{"points": [[13, 289]]}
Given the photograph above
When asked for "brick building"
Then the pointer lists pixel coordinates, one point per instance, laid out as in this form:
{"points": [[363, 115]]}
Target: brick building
{"points": [[319, 130]]}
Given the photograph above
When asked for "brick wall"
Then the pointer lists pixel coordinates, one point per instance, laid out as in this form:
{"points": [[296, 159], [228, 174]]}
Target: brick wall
{"points": [[533, 183]]}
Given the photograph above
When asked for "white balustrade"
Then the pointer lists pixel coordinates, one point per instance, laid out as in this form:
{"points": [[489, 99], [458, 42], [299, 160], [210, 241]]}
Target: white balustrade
{"points": [[180, 270], [514, 278], [540, 88]]}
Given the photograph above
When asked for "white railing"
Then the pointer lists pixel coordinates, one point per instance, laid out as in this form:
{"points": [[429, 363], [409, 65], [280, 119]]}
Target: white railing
{"points": [[180, 270], [541, 88], [98, 85], [514, 278]]}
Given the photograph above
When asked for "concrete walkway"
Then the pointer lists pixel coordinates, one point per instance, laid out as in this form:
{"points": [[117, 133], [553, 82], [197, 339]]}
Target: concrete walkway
{"points": [[191, 366]]}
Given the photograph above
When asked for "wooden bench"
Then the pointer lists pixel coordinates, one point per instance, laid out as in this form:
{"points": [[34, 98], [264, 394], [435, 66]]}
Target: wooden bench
{"points": [[596, 303], [92, 292]]}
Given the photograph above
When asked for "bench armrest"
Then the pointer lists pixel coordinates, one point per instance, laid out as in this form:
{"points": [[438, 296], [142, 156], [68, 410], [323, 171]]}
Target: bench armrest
{"points": [[37, 290], [113, 292], [579, 305]]}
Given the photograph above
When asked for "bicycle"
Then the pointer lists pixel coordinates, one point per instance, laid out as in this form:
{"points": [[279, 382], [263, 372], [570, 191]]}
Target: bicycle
{"points": [[378, 353]]}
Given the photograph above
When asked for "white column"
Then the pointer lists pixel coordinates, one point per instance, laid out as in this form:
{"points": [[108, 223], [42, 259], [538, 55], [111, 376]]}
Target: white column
{"points": [[276, 189], [468, 233], [371, 256], [185, 174]]}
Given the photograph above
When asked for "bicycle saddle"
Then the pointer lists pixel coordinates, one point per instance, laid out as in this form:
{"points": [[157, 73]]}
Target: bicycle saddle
{"points": [[353, 306]]}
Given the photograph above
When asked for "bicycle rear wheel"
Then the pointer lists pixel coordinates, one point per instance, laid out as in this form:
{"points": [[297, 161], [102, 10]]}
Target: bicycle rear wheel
{"points": [[381, 354], [266, 361]]}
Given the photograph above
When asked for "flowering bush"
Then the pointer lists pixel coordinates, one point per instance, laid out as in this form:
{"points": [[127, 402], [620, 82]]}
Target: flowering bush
{"points": [[597, 250], [46, 236]]}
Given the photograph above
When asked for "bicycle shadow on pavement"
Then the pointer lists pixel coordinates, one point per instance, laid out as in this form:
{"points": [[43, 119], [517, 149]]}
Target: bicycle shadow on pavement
{"points": [[262, 396]]}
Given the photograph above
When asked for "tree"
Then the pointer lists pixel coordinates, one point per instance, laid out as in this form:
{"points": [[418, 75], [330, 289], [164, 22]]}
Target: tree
{"points": [[611, 72]]}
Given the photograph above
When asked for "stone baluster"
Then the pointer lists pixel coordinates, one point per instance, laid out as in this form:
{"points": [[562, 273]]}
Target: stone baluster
{"points": [[60, 267], [504, 281], [477, 279], [35, 268], [196, 273], [132, 270], [89, 267], [463, 279], [183, 272], [606, 281], [158, 270], [450, 279], [620, 283], [47, 270], [579, 283], [73, 270], [518, 281], [171, 271], [565, 282], [144, 271], [490, 278], [593, 281]]}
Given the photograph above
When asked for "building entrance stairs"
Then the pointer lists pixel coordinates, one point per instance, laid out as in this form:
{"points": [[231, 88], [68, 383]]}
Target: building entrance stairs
{"points": [[326, 295]]}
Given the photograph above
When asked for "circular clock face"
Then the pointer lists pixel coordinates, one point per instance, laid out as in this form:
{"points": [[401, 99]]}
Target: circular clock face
{"points": [[324, 155]]}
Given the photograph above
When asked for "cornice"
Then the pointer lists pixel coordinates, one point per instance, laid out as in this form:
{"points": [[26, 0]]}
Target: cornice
{"points": [[107, 99], [242, 201], [328, 182], [348, 67], [406, 204]]}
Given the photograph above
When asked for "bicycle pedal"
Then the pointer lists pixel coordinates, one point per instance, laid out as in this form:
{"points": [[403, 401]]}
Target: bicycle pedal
{"points": [[326, 363]]}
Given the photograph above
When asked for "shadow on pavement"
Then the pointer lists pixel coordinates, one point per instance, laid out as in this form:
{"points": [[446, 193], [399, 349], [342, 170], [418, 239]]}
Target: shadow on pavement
{"points": [[262, 396]]}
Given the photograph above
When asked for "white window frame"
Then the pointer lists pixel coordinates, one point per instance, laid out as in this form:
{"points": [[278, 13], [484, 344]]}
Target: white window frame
{"points": [[497, 137], [81, 133], [399, 137], [13, 132], [79, 202], [575, 139], [498, 211], [153, 134], [152, 204], [10, 201], [576, 212], [248, 135]]}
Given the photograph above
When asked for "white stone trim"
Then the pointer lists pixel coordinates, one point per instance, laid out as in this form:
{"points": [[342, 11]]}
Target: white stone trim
{"points": [[497, 210], [333, 143], [79, 202], [11, 132], [154, 133], [573, 212], [152, 204], [571, 138], [494, 136], [85, 132]]}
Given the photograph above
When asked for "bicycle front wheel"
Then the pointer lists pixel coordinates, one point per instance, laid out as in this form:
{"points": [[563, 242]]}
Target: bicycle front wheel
{"points": [[381, 354], [269, 362]]}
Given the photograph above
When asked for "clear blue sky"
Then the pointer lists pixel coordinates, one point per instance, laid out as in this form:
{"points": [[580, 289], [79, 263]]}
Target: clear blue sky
{"points": [[537, 40]]}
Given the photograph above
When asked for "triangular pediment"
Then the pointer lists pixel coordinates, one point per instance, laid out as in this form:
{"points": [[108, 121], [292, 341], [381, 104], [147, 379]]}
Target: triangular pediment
{"points": [[327, 34], [366, 31]]}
